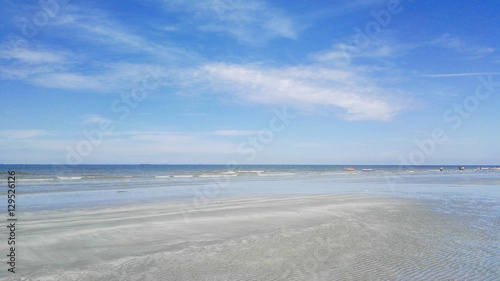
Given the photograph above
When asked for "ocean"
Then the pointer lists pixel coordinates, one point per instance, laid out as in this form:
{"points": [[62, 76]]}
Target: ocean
{"points": [[52, 187]]}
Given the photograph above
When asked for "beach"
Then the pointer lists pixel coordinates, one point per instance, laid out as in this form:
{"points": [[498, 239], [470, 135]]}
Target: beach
{"points": [[256, 222], [313, 237]]}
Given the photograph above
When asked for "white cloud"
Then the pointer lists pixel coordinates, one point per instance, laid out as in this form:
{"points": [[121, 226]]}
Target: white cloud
{"points": [[49, 67], [162, 142], [94, 119], [27, 62], [96, 26], [234, 133], [459, 74], [169, 28], [306, 88], [99, 77], [384, 46], [25, 55], [338, 52], [23, 134], [309, 144], [121, 147], [448, 41], [93, 26], [193, 114], [252, 22], [70, 81]]}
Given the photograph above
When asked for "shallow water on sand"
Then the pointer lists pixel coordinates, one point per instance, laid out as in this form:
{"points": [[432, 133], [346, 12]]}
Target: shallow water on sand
{"points": [[53, 187]]}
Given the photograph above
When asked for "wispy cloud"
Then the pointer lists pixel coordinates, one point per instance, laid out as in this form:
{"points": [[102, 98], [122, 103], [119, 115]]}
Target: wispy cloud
{"points": [[53, 66], [23, 134], [305, 88], [234, 133], [59, 73], [121, 147], [97, 27], [94, 119], [27, 62], [67, 81], [340, 8], [309, 144], [252, 22], [346, 52], [158, 142], [385, 46], [448, 41], [193, 114], [459, 74], [115, 77], [29, 56]]}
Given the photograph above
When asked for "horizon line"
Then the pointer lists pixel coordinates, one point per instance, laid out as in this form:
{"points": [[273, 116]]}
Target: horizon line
{"points": [[261, 164]]}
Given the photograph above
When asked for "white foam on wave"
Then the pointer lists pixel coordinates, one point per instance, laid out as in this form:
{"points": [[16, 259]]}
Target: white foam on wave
{"points": [[174, 176], [69, 178], [276, 174], [217, 176], [28, 180]]}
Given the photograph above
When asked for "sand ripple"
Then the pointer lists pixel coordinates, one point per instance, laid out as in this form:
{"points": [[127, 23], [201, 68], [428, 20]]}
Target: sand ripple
{"points": [[326, 238]]}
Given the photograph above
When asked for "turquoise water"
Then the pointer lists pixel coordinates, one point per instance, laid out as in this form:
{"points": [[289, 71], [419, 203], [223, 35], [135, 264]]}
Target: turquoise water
{"points": [[44, 187]]}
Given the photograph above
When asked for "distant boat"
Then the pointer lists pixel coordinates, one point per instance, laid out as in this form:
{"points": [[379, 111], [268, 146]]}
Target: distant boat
{"points": [[367, 170], [349, 169]]}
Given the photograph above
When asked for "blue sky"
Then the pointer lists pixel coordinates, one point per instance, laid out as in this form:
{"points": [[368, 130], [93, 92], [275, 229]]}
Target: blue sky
{"points": [[250, 82]]}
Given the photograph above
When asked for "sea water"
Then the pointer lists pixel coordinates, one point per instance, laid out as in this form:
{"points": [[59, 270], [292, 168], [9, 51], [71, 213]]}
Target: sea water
{"points": [[52, 187]]}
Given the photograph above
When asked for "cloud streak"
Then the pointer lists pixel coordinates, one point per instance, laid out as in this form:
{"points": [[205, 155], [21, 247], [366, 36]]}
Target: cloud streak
{"points": [[25, 55], [384, 46], [253, 22], [458, 74], [96, 27], [94, 119], [234, 133], [23, 134], [306, 88]]}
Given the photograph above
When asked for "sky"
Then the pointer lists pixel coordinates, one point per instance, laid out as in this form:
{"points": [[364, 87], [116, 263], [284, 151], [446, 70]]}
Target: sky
{"points": [[250, 82]]}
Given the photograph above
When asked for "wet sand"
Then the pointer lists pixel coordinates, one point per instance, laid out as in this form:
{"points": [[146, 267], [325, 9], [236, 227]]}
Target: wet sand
{"points": [[318, 237]]}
